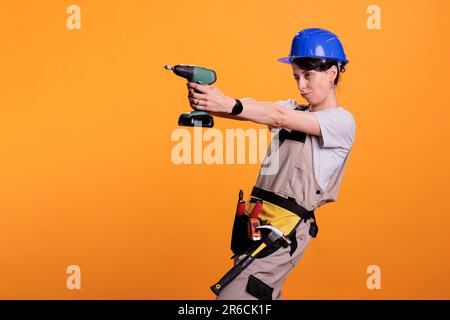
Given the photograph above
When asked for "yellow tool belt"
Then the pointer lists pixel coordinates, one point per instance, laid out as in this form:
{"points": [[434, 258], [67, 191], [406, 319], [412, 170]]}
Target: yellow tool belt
{"points": [[282, 213]]}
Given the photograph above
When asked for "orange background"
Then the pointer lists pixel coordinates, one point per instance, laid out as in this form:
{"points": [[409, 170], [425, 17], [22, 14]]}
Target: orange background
{"points": [[86, 174]]}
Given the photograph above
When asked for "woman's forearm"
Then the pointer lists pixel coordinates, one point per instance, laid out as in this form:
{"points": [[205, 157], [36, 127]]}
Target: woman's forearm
{"points": [[263, 112], [267, 113], [229, 116]]}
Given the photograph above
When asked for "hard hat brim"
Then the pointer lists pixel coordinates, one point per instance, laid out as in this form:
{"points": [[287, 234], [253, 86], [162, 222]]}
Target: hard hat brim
{"points": [[289, 60], [285, 60]]}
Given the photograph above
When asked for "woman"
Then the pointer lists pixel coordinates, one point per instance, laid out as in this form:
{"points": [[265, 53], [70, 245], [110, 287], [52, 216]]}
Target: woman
{"points": [[309, 151]]}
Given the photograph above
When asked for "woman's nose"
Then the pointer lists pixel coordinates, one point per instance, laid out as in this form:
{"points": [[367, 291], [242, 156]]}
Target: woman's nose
{"points": [[302, 84]]}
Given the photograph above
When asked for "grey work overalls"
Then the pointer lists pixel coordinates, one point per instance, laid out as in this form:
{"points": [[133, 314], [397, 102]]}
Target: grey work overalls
{"points": [[294, 179]]}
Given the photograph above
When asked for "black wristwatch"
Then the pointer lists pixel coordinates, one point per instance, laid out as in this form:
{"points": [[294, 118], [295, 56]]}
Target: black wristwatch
{"points": [[237, 108]]}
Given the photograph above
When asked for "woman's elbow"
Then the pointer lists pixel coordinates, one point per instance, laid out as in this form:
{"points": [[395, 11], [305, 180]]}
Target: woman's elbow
{"points": [[277, 117]]}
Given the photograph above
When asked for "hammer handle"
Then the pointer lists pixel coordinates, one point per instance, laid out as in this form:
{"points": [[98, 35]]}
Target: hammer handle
{"points": [[236, 270], [233, 273]]}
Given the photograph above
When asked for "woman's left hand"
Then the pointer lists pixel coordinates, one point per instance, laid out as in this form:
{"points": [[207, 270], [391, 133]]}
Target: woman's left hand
{"points": [[210, 98]]}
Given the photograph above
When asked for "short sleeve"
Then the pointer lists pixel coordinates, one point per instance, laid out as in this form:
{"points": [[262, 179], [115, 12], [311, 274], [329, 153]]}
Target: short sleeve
{"points": [[337, 127]]}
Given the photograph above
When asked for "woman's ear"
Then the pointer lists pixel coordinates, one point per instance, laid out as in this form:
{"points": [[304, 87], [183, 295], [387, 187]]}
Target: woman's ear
{"points": [[332, 73]]}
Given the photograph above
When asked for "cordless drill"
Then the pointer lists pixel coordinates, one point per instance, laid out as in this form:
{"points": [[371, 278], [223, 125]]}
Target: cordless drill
{"points": [[201, 76]]}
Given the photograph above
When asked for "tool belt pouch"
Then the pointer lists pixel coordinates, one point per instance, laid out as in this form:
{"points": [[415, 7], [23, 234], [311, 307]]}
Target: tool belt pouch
{"points": [[242, 244], [240, 241]]}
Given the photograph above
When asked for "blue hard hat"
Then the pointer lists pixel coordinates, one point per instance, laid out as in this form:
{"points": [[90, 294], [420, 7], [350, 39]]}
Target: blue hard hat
{"points": [[316, 43]]}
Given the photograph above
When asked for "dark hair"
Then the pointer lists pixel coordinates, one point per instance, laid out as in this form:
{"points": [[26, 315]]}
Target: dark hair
{"points": [[318, 64]]}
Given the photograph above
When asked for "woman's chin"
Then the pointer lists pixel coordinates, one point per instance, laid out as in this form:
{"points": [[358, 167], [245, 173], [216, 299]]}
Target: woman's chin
{"points": [[309, 101]]}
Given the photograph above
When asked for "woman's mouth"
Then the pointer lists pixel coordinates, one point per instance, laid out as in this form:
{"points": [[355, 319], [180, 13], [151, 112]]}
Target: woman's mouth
{"points": [[305, 94]]}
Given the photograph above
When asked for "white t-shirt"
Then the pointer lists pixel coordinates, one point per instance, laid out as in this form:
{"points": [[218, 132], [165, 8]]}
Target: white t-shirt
{"points": [[337, 126]]}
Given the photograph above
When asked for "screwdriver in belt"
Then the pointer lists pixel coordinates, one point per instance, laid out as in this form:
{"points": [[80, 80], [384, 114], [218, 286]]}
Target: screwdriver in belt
{"points": [[253, 224]]}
